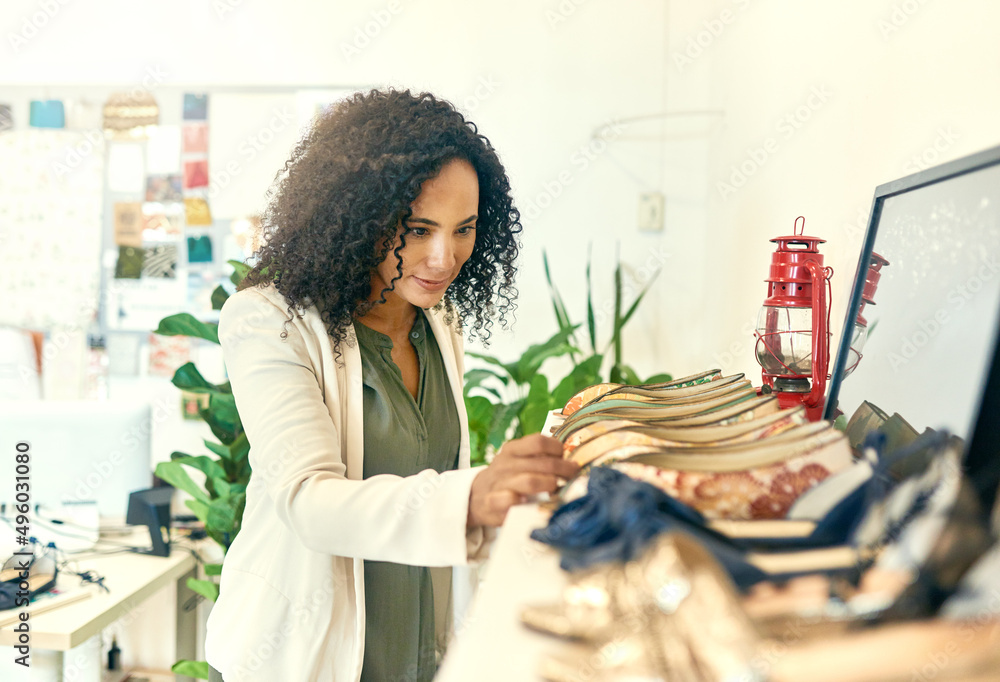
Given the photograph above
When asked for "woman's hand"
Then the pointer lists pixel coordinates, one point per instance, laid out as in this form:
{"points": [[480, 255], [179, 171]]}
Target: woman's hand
{"points": [[523, 467]]}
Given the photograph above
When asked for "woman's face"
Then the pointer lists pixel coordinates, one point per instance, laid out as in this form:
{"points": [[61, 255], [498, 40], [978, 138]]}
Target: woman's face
{"points": [[440, 236]]}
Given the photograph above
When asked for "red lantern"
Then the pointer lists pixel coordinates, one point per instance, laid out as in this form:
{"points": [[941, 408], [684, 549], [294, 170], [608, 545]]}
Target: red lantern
{"points": [[860, 333], [793, 326]]}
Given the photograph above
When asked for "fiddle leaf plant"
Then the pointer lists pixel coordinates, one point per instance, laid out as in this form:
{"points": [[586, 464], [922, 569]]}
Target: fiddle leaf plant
{"points": [[219, 500]]}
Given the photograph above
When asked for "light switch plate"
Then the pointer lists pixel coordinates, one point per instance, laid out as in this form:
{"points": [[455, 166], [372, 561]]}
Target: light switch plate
{"points": [[651, 207]]}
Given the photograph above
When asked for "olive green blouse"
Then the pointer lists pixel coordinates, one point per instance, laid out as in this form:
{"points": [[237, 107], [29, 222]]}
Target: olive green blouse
{"points": [[403, 437]]}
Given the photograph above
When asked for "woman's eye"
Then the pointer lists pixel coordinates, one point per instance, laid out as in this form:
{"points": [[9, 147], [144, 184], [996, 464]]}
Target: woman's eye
{"points": [[416, 231], [466, 229]]}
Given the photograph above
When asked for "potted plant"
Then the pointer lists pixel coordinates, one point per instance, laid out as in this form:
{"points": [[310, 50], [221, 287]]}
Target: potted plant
{"points": [[219, 500], [511, 399]]}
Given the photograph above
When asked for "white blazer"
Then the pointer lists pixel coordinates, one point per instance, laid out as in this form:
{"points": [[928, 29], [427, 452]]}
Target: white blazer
{"points": [[292, 602]]}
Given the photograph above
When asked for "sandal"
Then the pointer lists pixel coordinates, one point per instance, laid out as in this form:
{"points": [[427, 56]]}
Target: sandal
{"points": [[41, 578]]}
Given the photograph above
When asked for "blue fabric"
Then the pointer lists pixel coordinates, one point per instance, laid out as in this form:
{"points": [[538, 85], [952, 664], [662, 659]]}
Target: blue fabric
{"points": [[613, 521]]}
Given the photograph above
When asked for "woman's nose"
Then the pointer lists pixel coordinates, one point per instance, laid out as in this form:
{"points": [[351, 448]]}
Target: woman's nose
{"points": [[442, 255]]}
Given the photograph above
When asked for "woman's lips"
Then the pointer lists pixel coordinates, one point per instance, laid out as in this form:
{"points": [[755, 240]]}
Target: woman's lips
{"points": [[431, 285]]}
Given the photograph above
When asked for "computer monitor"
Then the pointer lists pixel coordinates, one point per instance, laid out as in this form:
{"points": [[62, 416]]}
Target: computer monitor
{"points": [[924, 341], [80, 451]]}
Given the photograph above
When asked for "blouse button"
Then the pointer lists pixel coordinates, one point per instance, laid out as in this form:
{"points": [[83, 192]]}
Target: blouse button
{"points": [[414, 335]]}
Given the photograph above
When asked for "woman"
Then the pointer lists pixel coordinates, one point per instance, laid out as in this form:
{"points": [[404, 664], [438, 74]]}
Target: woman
{"points": [[390, 232]]}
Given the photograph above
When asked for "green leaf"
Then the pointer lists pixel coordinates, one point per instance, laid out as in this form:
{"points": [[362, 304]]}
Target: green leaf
{"points": [[635, 304], [659, 379], [623, 374], [188, 378], [536, 406], [239, 449], [185, 324], [480, 411], [222, 513], [477, 449], [558, 307], [223, 408], [198, 669], [475, 377], [213, 569], [503, 417], [202, 463], [174, 474], [219, 485], [587, 373], [616, 331], [219, 449], [591, 323], [222, 417], [205, 588], [492, 360], [533, 358], [199, 508], [240, 271], [492, 391], [219, 297]]}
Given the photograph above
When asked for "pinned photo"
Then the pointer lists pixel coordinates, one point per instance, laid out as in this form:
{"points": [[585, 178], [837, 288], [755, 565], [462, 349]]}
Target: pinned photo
{"points": [[195, 174], [160, 261], [196, 211], [129, 265], [128, 223], [164, 188], [195, 138], [195, 107], [199, 249]]}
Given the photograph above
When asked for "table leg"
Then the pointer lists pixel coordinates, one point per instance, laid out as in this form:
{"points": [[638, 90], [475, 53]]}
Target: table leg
{"points": [[187, 621]]}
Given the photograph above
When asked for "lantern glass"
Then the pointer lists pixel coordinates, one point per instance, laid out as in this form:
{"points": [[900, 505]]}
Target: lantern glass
{"points": [[858, 337], [784, 343]]}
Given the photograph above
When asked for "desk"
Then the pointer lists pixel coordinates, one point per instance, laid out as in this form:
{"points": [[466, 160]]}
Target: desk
{"points": [[493, 646], [76, 627]]}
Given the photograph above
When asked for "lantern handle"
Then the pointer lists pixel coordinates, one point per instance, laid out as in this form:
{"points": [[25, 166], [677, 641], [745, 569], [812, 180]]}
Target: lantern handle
{"points": [[821, 326], [799, 231]]}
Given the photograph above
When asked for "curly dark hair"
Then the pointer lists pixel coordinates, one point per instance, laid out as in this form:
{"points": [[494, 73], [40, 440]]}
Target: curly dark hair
{"points": [[333, 214]]}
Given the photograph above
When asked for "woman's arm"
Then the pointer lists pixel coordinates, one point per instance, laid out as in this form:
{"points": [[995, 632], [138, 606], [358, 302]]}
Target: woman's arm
{"points": [[296, 453]]}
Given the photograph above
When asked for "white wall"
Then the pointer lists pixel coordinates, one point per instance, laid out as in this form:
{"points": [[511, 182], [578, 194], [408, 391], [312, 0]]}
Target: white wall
{"points": [[906, 85], [903, 79], [899, 77]]}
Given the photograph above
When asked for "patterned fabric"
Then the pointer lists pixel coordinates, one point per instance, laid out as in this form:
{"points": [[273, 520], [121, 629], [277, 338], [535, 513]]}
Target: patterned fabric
{"points": [[763, 493]]}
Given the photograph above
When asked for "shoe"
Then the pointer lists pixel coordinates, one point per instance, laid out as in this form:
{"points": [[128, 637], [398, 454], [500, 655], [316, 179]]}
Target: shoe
{"points": [[41, 578], [18, 562]]}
